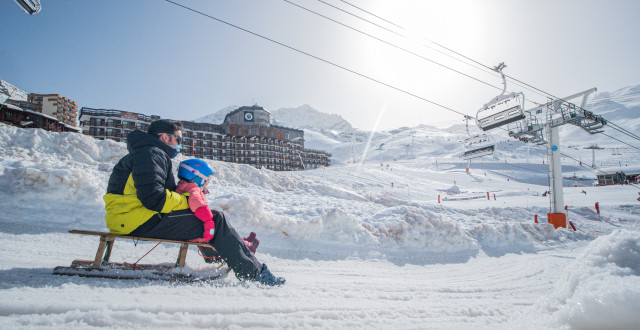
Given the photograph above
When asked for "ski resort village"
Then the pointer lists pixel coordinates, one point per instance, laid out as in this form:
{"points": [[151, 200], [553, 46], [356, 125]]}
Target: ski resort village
{"points": [[177, 186]]}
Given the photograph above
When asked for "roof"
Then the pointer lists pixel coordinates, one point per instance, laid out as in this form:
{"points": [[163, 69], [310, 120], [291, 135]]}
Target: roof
{"points": [[13, 107], [628, 170], [253, 107]]}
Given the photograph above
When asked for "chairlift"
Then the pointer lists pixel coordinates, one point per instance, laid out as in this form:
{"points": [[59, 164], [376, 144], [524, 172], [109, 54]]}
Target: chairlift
{"points": [[502, 109], [29, 6], [478, 145]]}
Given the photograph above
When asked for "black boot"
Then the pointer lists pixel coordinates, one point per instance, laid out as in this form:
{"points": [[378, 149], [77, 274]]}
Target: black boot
{"points": [[210, 255]]}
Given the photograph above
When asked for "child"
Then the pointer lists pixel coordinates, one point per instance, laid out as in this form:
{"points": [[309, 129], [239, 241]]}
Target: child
{"points": [[194, 175]]}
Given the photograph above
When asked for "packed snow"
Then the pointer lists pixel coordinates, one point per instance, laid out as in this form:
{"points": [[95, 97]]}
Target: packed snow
{"points": [[361, 245]]}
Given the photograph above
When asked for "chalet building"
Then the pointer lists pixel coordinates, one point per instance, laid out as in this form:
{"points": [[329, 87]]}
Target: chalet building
{"points": [[245, 137], [54, 105], [619, 175], [16, 116]]}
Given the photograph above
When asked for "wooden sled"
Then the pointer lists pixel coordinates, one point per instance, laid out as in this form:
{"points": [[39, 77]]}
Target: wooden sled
{"points": [[100, 266]]}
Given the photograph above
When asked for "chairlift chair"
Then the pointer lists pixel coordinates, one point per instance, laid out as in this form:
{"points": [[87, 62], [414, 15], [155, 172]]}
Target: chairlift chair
{"points": [[476, 145], [502, 109], [29, 6]]}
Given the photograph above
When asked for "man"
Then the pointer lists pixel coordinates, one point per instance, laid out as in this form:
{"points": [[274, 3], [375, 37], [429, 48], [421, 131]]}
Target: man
{"points": [[141, 201]]}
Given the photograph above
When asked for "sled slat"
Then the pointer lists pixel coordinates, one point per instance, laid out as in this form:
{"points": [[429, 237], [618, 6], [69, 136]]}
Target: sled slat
{"points": [[97, 233], [100, 266]]}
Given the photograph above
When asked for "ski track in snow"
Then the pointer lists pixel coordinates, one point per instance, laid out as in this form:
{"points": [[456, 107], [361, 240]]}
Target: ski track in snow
{"points": [[356, 251]]}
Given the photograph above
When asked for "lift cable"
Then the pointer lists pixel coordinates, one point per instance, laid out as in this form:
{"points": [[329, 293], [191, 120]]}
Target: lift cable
{"points": [[323, 60], [391, 44], [634, 147], [616, 127], [317, 58], [374, 15], [490, 70]]}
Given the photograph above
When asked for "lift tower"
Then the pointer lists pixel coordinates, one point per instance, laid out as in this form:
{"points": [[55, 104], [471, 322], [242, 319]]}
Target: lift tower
{"points": [[593, 148], [558, 112]]}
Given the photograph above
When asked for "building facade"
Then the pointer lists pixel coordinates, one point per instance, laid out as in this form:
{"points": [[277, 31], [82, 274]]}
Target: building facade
{"points": [[16, 116], [245, 137], [63, 109]]}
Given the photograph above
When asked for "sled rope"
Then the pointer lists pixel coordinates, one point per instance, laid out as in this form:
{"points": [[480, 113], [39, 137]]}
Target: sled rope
{"points": [[136, 263]]}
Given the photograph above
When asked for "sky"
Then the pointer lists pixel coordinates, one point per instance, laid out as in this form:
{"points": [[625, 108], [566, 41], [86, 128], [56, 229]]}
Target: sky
{"points": [[154, 57]]}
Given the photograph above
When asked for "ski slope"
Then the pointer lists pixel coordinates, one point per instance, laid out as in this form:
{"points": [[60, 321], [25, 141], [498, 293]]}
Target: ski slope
{"points": [[357, 251]]}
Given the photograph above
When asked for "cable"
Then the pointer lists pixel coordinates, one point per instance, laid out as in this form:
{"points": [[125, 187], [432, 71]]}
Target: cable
{"points": [[316, 57], [623, 130], [491, 70], [528, 169], [621, 141], [616, 127], [334, 64], [374, 15], [390, 44]]}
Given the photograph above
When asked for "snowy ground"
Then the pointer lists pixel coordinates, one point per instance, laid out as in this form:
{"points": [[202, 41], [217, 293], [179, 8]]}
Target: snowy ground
{"points": [[356, 251]]}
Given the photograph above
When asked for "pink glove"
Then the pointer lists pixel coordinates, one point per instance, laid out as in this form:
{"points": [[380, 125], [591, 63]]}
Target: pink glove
{"points": [[209, 230], [196, 197], [204, 214]]}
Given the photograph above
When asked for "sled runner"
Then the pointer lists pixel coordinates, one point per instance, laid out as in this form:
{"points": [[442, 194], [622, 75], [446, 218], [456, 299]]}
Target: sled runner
{"points": [[101, 267]]}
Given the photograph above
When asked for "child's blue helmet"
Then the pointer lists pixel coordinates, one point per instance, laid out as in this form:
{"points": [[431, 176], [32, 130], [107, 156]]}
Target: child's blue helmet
{"points": [[196, 171]]}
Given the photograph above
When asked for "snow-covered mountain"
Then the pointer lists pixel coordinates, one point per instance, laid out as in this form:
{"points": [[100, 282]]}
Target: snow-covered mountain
{"points": [[6, 90], [303, 116], [332, 133], [306, 116], [216, 117]]}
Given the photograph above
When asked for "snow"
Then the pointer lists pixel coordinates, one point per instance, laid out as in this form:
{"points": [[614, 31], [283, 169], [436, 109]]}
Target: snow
{"points": [[361, 245], [7, 89]]}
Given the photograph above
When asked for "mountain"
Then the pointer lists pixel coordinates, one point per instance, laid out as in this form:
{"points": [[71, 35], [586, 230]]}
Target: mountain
{"points": [[7, 89], [306, 116], [216, 117]]}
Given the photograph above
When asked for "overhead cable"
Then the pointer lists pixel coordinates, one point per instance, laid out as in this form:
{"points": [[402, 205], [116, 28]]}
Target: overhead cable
{"points": [[614, 126], [390, 44], [315, 57]]}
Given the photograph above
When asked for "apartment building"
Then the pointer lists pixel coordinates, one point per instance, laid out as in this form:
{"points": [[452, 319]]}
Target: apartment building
{"points": [[63, 109], [245, 137]]}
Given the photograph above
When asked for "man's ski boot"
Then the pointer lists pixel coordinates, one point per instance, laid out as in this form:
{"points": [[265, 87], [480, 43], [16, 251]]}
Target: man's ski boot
{"points": [[267, 278]]}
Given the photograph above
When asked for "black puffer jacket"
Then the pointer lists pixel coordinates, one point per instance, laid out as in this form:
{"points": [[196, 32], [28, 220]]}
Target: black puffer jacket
{"points": [[141, 184]]}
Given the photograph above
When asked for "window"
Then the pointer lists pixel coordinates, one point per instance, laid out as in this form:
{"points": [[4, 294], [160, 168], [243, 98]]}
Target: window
{"points": [[239, 130]]}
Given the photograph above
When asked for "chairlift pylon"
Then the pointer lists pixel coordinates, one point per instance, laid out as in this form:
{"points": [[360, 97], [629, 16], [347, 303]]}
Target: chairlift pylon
{"points": [[502, 109], [478, 145]]}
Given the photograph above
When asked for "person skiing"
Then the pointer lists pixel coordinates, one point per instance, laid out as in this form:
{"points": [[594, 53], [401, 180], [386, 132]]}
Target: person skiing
{"points": [[142, 201]]}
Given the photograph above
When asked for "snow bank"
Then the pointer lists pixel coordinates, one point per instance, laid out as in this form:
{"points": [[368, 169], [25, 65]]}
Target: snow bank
{"points": [[339, 212], [600, 289]]}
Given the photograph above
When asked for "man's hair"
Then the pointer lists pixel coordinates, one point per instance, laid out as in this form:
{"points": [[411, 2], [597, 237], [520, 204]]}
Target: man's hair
{"points": [[164, 126]]}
